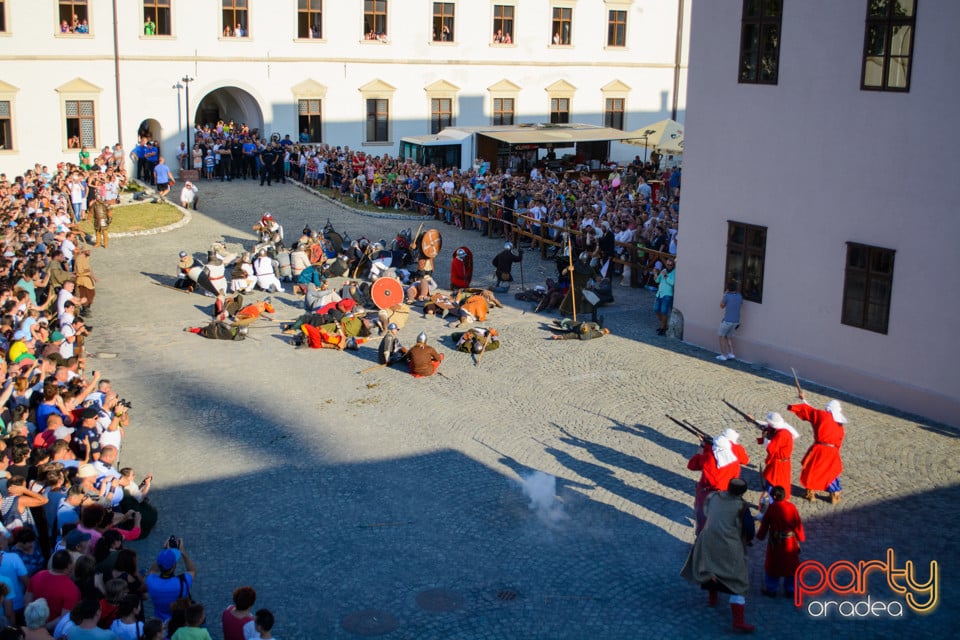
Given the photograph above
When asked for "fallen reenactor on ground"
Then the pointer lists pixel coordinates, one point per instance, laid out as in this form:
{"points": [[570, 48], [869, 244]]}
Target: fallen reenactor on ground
{"points": [[570, 330], [476, 340], [219, 331]]}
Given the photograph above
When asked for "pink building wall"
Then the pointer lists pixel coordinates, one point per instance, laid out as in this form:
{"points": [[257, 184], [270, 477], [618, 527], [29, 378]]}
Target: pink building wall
{"points": [[821, 163]]}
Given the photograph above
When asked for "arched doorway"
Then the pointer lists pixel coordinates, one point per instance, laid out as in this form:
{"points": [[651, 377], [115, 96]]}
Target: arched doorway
{"points": [[229, 103], [149, 129]]}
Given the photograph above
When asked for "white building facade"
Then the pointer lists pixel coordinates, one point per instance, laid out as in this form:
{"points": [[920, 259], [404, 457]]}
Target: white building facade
{"points": [[361, 73], [820, 174]]}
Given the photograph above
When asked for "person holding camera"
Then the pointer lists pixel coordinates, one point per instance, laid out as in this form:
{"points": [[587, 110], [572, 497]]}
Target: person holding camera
{"points": [[164, 585]]}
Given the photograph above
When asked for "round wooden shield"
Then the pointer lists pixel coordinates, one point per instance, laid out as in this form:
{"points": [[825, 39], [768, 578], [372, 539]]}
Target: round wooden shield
{"points": [[386, 292], [430, 243]]}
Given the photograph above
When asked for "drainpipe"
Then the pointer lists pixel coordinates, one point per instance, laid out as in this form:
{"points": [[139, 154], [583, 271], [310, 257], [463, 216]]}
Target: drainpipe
{"points": [[676, 59], [116, 74]]}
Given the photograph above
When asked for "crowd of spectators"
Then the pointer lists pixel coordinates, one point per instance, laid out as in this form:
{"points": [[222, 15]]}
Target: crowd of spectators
{"points": [[69, 507], [636, 204]]}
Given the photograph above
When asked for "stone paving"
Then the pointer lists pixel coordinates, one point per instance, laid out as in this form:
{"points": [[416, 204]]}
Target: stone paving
{"points": [[379, 501]]}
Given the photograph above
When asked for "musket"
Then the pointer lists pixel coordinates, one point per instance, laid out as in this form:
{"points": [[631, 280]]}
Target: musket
{"points": [[796, 382], [703, 434], [746, 416], [690, 428]]}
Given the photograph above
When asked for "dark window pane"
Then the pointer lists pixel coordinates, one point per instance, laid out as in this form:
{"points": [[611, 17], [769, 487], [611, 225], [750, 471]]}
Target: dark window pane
{"points": [[878, 8], [857, 256], [772, 8], [738, 234]]}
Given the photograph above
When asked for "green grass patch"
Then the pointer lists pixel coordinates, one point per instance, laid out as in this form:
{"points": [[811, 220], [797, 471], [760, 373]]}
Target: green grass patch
{"points": [[139, 217]]}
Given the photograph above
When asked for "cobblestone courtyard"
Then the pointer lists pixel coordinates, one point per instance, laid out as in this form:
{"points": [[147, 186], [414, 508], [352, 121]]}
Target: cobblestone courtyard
{"points": [[400, 500]]}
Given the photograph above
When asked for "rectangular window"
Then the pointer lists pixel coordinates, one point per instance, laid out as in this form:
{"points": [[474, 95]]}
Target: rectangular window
{"points": [[310, 19], [378, 120], [236, 19], [559, 110], [613, 113], [6, 126], [74, 16], [503, 111], [374, 19], [80, 124], [888, 45], [760, 41], [617, 29], [443, 22], [156, 18], [503, 23], [562, 27], [866, 287], [746, 252], [441, 114], [310, 121]]}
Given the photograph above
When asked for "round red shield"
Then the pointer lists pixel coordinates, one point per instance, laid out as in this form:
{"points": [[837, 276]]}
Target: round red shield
{"points": [[431, 243], [386, 292]]}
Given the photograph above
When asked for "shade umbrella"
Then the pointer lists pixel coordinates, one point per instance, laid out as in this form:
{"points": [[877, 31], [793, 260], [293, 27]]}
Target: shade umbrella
{"points": [[665, 135]]}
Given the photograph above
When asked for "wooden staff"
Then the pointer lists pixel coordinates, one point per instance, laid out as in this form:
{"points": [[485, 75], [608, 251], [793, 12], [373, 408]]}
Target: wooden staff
{"points": [[796, 382], [483, 349], [573, 292], [375, 367]]}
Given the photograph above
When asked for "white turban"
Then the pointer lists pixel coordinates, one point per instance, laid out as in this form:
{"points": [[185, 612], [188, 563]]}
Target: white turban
{"points": [[776, 421], [723, 451], [837, 411]]}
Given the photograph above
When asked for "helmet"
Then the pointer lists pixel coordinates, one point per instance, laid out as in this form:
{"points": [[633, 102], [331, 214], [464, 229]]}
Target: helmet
{"points": [[422, 338], [477, 346], [508, 246], [393, 327]]}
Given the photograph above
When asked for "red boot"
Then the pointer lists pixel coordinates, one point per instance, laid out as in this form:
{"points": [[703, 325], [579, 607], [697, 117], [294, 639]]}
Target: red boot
{"points": [[714, 596], [738, 622]]}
